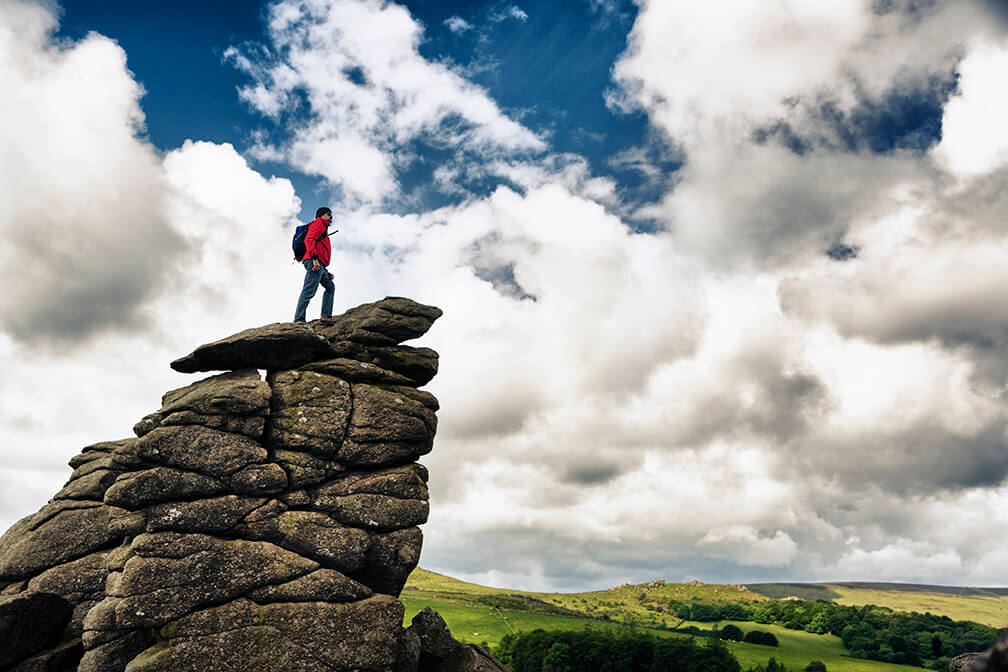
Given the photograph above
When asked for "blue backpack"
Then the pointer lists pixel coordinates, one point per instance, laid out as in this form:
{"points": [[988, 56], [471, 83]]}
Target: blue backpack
{"points": [[298, 244]]}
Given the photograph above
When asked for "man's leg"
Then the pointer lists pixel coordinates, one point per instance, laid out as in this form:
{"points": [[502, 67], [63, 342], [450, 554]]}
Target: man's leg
{"points": [[327, 295], [311, 283]]}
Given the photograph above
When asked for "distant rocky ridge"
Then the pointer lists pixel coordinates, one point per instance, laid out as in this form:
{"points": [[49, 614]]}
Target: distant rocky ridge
{"points": [[251, 524]]}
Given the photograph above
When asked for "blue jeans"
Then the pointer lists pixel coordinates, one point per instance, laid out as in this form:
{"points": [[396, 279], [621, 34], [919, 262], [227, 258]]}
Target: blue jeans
{"points": [[311, 283]]}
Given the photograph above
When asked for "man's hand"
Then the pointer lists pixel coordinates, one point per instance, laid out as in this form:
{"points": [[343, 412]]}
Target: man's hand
{"points": [[314, 265], [329, 274]]}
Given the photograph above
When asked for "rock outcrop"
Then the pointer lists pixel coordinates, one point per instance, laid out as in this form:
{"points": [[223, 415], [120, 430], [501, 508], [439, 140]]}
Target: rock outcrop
{"points": [[251, 524]]}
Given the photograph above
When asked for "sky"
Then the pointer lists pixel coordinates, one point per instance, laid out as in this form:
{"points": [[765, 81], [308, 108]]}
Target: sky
{"points": [[723, 284]]}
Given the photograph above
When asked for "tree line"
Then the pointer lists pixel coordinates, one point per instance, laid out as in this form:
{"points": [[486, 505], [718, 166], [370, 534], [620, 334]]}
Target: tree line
{"points": [[869, 632], [592, 651], [627, 651]]}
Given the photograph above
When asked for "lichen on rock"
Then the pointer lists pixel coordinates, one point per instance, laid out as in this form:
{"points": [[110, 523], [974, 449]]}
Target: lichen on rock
{"points": [[253, 523]]}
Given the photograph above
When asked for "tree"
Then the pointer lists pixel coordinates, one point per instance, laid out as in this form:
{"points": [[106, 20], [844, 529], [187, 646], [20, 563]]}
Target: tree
{"points": [[731, 632], [763, 615], [557, 658], [819, 624], [760, 637], [704, 613], [942, 663], [816, 666]]}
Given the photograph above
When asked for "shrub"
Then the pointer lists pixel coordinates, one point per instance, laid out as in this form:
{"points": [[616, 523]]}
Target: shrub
{"points": [[732, 632], [816, 666], [760, 637]]}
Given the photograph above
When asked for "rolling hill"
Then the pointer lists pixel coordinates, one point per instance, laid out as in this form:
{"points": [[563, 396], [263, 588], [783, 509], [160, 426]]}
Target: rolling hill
{"points": [[483, 614]]}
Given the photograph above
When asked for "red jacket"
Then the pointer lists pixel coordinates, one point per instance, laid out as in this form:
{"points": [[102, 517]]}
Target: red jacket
{"points": [[316, 242]]}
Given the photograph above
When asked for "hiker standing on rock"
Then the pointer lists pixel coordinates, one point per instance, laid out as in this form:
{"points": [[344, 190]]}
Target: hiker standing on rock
{"points": [[316, 261]]}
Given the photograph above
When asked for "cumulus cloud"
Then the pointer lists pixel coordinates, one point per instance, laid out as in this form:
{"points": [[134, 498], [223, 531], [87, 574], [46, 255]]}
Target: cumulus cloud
{"points": [[114, 258], [861, 443], [772, 107], [764, 207], [735, 68], [355, 69], [974, 140], [84, 252], [717, 399]]}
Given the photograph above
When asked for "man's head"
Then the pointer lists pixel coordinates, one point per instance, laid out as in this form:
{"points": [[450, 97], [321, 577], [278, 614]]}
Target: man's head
{"points": [[324, 213]]}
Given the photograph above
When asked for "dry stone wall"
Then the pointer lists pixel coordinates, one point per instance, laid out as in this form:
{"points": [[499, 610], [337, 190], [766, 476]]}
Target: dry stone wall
{"points": [[251, 524]]}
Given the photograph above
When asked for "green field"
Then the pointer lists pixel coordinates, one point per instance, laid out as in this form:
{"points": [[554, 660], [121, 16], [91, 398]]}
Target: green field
{"points": [[983, 605], [483, 625], [797, 648], [480, 614]]}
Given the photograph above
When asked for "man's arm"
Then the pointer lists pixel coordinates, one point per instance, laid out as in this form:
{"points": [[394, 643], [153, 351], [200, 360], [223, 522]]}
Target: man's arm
{"points": [[315, 231]]}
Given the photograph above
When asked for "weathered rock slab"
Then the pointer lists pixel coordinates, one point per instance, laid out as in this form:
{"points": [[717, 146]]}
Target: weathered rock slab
{"points": [[81, 583], [135, 490], [287, 345], [156, 589], [252, 524], [199, 449], [29, 623], [275, 346], [60, 532], [308, 636], [310, 412], [322, 585]]}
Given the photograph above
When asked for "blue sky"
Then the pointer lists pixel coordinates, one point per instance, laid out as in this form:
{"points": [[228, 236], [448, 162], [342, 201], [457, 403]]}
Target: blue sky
{"points": [[547, 64], [723, 287]]}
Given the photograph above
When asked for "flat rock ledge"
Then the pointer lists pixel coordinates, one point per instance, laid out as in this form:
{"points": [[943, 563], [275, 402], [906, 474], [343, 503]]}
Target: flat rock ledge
{"points": [[362, 334], [251, 523]]}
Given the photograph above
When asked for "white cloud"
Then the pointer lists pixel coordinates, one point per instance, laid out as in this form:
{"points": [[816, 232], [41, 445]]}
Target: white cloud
{"points": [[974, 137], [369, 93], [114, 258], [516, 12], [764, 207], [718, 400], [75, 243], [457, 24], [732, 65], [504, 12], [739, 65]]}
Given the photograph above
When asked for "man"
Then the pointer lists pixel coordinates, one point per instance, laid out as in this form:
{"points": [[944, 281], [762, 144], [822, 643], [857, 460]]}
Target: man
{"points": [[316, 260]]}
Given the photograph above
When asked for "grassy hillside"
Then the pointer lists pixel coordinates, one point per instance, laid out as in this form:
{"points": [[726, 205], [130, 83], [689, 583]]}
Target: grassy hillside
{"points": [[983, 605], [638, 604], [642, 603], [478, 614]]}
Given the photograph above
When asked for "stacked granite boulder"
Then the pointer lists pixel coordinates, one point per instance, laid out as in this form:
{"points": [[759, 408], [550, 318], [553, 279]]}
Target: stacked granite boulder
{"points": [[251, 524]]}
